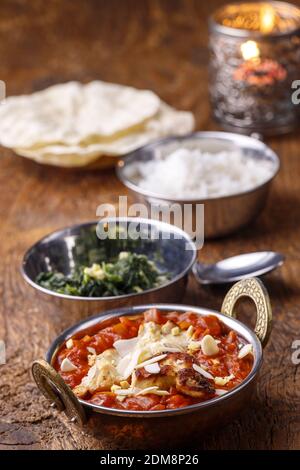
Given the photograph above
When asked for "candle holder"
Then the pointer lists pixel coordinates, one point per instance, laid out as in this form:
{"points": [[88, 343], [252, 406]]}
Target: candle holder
{"points": [[255, 57]]}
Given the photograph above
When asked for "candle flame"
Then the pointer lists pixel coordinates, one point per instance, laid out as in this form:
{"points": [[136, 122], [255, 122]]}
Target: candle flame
{"points": [[250, 50], [267, 19]]}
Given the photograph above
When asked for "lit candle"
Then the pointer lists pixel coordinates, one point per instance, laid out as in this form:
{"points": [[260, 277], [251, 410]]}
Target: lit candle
{"points": [[255, 58], [267, 19], [250, 50], [255, 71]]}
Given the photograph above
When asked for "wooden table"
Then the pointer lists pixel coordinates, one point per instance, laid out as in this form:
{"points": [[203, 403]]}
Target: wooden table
{"points": [[161, 45]]}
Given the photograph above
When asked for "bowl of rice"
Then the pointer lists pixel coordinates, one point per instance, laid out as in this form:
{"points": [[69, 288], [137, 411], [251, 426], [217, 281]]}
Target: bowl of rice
{"points": [[229, 174]]}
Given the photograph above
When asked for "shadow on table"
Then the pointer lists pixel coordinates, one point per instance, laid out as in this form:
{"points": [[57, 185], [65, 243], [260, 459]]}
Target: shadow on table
{"points": [[251, 430]]}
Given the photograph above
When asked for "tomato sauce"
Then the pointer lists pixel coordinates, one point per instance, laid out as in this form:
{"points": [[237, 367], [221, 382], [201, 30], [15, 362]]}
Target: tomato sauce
{"points": [[225, 363]]}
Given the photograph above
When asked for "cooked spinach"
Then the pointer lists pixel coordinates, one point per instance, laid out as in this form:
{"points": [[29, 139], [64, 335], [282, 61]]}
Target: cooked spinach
{"points": [[126, 274]]}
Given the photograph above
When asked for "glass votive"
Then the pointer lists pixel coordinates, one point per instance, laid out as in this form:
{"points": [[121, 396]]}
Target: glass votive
{"points": [[255, 57]]}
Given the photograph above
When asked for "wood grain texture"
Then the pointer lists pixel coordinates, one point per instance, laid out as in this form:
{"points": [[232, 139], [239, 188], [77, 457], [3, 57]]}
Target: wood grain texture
{"points": [[161, 45]]}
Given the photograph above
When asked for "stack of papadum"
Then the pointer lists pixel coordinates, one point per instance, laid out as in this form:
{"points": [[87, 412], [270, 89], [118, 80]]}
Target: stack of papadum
{"points": [[73, 125]]}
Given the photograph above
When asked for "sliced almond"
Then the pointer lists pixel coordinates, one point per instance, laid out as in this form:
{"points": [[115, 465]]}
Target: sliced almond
{"points": [[153, 368], [245, 350], [155, 390], [91, 350], [147, 390], [67, 365], [203, 372], [125, 346], [128, 363], [190, 331], [69, 344], [172, 349], [161, 392], [209, 346], [124, 392], [151, 361]]}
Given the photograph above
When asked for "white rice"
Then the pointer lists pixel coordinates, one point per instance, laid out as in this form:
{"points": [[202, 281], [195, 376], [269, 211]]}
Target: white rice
{"points": [[194, 174]]}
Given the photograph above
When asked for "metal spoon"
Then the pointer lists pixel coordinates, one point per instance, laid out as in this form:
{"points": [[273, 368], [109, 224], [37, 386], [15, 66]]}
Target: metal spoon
{"points": [[238, 267]]}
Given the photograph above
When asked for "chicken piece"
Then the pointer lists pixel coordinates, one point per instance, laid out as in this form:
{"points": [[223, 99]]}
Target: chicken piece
{"points": [[102, 375], [176, 370], [141, 379], [189, 382]]}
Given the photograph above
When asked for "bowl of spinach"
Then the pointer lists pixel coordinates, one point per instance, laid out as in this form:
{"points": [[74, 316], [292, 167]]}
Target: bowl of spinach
{"points": [[79, 266]]}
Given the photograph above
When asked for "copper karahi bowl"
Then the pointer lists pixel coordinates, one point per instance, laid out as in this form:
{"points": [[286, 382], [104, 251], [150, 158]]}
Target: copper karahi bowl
{"points": [[127, 429]]}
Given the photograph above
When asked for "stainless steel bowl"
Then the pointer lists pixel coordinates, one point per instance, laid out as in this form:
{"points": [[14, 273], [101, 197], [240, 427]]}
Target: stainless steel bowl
{"points": [[170, 247], [223, 215], [168, 428]]}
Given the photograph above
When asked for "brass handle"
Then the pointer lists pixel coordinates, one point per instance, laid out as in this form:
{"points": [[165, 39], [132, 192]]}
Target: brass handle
{"points": [[53, 387], [255, 290]]}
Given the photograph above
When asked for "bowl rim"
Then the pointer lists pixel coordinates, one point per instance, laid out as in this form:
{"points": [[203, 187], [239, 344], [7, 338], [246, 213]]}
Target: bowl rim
{"points": [[217, 135], [56, 233], [127, 311]]}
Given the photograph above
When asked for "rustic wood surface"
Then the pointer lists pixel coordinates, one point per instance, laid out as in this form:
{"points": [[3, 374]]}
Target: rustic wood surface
{"points": [[161, 45]]}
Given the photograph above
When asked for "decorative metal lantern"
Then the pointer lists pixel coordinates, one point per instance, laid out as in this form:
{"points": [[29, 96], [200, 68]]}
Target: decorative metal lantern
{"points": [[255, 58]]}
